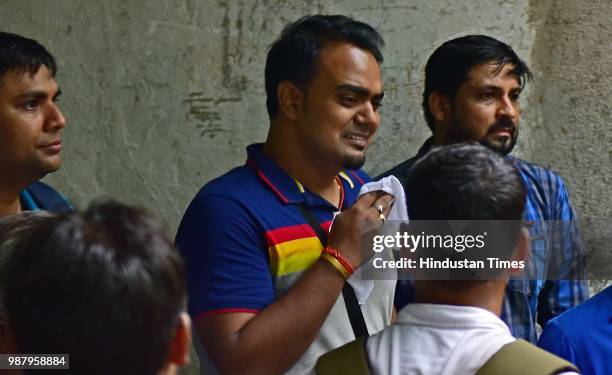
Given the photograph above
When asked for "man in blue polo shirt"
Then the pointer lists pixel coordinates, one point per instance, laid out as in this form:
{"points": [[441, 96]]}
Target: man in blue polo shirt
{"points": [[472, 89], [583, 334], [30, 126], [262, 296]]}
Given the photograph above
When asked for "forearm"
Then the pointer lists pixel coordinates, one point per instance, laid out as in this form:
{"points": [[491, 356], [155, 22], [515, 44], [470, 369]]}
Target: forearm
{"points": [[273, 340]]}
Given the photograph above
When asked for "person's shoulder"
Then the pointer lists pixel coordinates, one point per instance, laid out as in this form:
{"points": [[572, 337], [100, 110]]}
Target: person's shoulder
{"points": [[591, 310], [582, 333], [543, 179], [225, 200], [570, 325], [231, 196], [234, 184], [537, 171]]}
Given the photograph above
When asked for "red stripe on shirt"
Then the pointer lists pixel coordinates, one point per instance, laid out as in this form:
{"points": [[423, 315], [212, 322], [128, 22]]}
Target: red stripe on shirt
{"points": [[361, 181], [293, 232], [267, 181]]}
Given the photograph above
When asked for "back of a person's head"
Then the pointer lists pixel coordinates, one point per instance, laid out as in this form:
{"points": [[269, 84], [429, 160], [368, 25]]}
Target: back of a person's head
{"points": [[105, 286], [23, 55], [459, 192], [12, 228], [294, 55], [465, 181]]}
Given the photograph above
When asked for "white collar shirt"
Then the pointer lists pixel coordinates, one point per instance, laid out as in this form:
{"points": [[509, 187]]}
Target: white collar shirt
{"points": [[437, 339]]}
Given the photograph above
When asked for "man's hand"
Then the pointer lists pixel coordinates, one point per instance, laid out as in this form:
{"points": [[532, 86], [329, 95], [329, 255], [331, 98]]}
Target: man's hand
{"points": [[353, 223]]}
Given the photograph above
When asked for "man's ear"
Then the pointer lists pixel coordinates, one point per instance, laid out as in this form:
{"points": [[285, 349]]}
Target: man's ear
{"points": [[290, 99], [181, 342], [439, 106], [521, 252]]}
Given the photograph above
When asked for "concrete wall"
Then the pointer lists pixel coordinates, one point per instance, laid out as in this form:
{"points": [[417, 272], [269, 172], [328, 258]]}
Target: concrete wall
{"points": [[162, 96], [571, 112]]}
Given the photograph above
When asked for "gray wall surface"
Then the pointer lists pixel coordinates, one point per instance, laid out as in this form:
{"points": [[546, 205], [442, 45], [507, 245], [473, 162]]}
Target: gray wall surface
{"points": [[163, 96]]}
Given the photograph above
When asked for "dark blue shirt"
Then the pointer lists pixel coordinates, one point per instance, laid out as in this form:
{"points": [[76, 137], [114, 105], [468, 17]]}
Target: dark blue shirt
{"points": [[245, 240]]}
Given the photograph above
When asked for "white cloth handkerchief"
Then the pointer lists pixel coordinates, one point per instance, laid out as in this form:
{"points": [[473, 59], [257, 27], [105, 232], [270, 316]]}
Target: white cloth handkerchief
{"points": [[399, 212]]}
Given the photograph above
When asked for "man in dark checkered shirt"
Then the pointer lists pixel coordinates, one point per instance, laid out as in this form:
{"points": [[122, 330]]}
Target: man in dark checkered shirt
{"points": [[472, 87]]}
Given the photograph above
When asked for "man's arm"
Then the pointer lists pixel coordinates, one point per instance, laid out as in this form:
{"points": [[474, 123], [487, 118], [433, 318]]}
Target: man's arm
{"points": [[272, 340]]}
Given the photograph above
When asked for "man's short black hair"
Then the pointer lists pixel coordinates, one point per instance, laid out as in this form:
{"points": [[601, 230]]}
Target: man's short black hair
{"points": [[294, 56], [470, 183], [464, 181], [447, 68], [23, 55], [12, 228], [105, 286]]}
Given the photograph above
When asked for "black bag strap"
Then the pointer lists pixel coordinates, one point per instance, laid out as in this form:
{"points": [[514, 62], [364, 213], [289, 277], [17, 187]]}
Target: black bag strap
{"points": [[350, 299], [314, 223], [354, 312]]}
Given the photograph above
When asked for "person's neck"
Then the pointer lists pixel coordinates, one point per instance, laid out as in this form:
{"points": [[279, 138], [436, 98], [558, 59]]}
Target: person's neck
{"points": [[10, 190], [314, 175], [10, 202], [487, 295], [438, 139]]}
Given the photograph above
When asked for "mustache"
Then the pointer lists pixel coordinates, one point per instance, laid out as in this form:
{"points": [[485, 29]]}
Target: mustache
{"points": [[502, 125]]}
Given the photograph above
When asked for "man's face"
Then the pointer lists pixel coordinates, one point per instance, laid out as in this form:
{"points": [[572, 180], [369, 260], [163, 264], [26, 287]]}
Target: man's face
{"points": [[30, 124], [340, 115], [486, 108]]}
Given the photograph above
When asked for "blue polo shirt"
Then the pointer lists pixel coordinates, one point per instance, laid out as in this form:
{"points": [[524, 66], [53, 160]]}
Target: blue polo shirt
{"points": [[244, 239], [583, 335], [40, 196]]}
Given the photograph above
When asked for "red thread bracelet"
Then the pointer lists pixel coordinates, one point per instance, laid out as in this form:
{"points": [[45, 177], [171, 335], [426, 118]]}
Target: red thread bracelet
{"points": [[336, 254]]}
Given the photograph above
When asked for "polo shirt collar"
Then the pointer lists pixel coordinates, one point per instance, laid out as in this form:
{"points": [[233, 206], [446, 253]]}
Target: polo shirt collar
{"points": [[283, 185], [27, 202], [286, 188]]}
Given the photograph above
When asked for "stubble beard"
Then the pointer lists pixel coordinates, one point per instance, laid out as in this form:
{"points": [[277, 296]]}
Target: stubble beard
{"points": [[506, 146], [353, 162], [458, 133]]}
